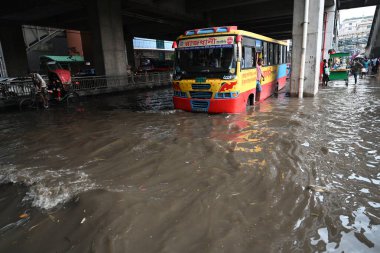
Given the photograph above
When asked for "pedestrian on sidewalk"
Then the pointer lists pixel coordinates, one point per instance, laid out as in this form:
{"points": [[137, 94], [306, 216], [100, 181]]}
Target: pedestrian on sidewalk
{"points": [[374, 66], [365, 67]]}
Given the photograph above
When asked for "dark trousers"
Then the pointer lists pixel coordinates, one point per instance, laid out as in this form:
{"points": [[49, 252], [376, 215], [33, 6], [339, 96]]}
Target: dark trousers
{"points": [[356, 76]]}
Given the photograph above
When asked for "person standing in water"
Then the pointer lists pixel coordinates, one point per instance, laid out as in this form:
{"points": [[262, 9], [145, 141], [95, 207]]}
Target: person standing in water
{"points": [[356, 69], [259, 76], [326, 73]]}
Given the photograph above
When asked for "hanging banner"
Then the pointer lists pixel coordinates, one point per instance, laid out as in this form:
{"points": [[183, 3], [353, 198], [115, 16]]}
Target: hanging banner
{"points": [[208, 42]]}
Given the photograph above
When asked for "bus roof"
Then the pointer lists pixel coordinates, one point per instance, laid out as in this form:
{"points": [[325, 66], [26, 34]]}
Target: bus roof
{"points": [[233, 32]]}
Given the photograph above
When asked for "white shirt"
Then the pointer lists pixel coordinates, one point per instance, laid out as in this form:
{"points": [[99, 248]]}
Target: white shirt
{"points": [[41, 80]]}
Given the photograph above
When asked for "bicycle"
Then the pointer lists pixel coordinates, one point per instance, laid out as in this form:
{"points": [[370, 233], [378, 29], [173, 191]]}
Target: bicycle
{"points": [[32, 102], [70, 97]]}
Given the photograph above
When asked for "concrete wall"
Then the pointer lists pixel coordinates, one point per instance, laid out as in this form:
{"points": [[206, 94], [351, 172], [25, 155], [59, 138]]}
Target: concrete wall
{"points": [[56, 46], [87, 46], [74, 42], [14, 51]]}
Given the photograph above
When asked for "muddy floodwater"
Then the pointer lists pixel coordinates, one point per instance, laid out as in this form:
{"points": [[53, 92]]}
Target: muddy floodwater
{"points": [[128, 173]]}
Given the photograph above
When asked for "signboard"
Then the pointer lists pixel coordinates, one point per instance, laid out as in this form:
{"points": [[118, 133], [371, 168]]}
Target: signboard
{"points": [[160, 44], [207, 42]]}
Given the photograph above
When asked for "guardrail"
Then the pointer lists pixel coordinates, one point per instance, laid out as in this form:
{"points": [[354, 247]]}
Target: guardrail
{"points": [[105, 84], [18, 89], [11, 93], [13, 90]]}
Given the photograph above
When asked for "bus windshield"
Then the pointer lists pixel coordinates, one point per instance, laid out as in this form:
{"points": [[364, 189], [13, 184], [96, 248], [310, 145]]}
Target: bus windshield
{"points": [[205, 61]]}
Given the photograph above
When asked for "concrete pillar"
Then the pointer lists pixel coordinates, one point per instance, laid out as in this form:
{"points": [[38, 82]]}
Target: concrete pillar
{"points": [[313, 49], [14, 50], [373, 49], [328, 36], [128, 37], [107, 37]]}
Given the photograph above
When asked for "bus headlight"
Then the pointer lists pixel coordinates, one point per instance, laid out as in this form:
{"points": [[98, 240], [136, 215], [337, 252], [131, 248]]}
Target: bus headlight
{"points": [[229, 77], [226, 95]]}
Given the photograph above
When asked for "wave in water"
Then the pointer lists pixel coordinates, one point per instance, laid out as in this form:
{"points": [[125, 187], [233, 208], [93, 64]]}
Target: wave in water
{"points": [[47, 188]]}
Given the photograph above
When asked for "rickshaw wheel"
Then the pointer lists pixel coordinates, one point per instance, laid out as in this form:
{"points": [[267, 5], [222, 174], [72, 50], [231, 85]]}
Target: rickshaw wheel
{"points": [[72, 99], [27, 104], [346, 82]]}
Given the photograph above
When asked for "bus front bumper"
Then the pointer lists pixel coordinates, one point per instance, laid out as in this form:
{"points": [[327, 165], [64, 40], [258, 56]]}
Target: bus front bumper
{"points": [[232, 105]]}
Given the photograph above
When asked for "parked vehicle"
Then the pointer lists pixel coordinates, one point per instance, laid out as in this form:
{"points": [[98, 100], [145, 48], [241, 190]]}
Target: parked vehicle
{"points": [[154, 65], [339, 69], [52, 67]]}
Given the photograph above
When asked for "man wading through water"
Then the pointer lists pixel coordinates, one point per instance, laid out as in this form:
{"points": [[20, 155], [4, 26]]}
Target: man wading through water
{"points": [[356, 69], [258, 78], [326, 73]]}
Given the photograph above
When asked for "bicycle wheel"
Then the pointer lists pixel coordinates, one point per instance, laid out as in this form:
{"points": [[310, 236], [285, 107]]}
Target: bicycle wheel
{"points": [[72, 99], [27, 104]]}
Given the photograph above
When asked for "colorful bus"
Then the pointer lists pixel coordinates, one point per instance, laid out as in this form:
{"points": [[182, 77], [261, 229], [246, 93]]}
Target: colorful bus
{"points": [[215, 69]]}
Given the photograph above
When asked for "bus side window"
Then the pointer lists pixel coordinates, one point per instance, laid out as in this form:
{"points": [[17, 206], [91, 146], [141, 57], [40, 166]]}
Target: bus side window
{"points": [[271, 54], [254, 57], [248, 55], [265, 53]]}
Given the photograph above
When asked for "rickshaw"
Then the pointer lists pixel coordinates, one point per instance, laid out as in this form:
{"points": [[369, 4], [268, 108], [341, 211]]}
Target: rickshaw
{"points": [[339, 69]]}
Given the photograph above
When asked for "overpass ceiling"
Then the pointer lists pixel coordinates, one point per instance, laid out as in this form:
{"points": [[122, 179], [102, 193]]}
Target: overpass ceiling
{"points": [[254, 15], [163, 19], [166, 19]]}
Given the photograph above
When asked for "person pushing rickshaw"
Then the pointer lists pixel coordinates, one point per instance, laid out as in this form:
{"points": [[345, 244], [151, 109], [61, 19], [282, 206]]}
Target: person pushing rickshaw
{"points": [[40, 88]]}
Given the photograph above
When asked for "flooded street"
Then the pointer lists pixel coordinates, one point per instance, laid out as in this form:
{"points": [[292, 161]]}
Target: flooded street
{"points": [[127, 173]]}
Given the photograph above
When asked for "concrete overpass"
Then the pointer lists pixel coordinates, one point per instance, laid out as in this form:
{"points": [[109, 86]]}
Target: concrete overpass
{"points": [[168, 18], [113, 24], [373, 44]]}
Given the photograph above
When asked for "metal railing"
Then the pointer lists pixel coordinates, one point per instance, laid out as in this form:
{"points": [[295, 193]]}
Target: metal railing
{"points": [[13, 90], [127, 82], [11, 93]]}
